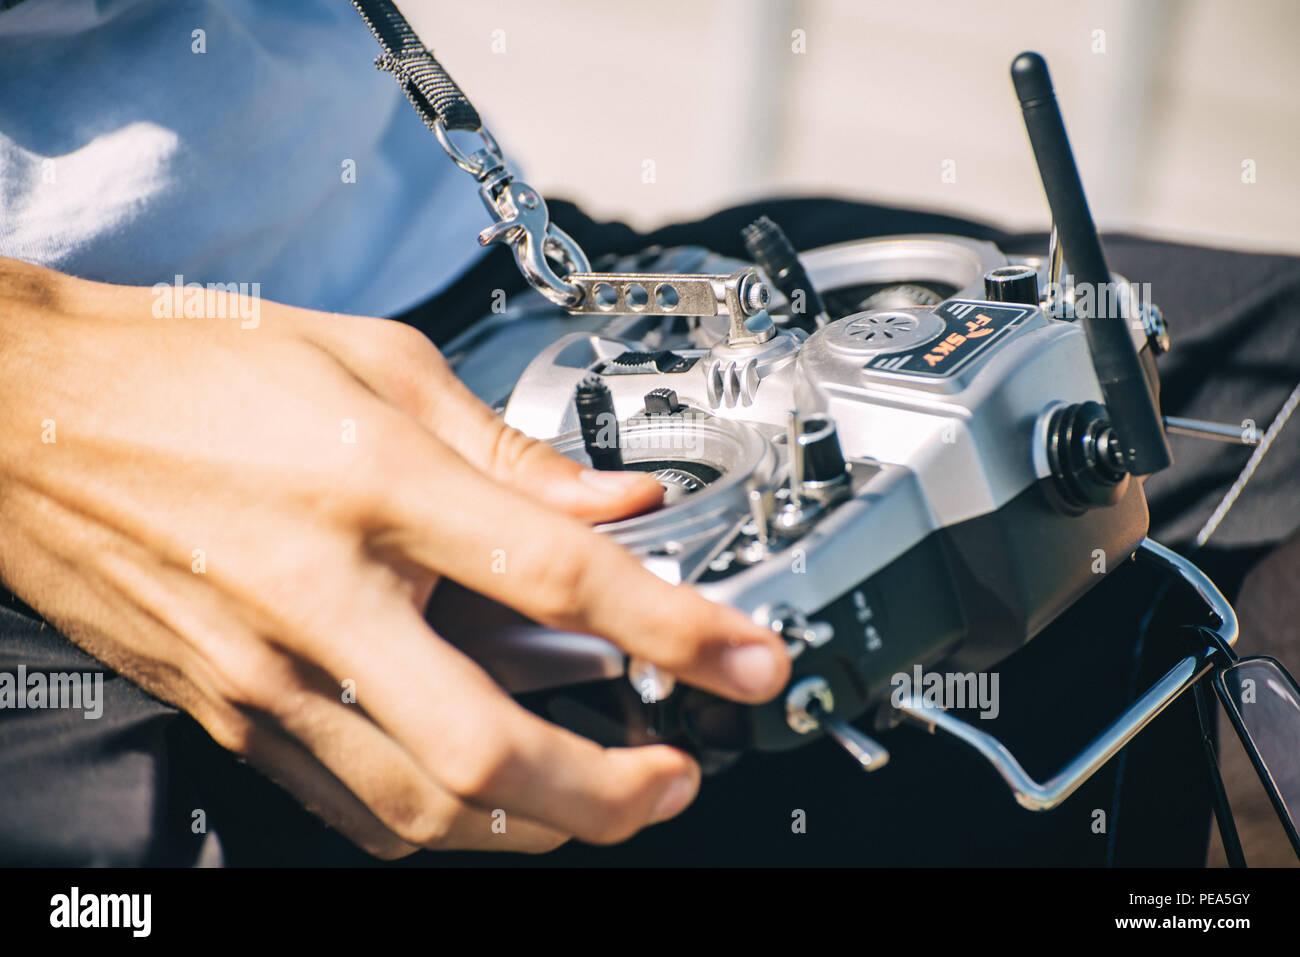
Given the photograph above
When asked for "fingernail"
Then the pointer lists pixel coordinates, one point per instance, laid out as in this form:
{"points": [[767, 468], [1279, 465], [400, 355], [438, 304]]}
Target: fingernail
{"points": [[675, 799], [752, 669], [611, 483]]}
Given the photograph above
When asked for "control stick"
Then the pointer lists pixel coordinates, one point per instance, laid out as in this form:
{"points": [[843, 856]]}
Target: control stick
{"points": [[772, 251], [599, 424]]}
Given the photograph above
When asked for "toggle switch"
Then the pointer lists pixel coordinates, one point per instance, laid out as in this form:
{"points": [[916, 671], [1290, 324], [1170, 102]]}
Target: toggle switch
{"points": [[809, 705], [817, 467], [798, 632]]}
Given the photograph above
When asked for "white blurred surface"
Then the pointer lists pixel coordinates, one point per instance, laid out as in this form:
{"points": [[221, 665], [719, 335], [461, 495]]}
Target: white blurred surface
{"points": [[584, 93]]}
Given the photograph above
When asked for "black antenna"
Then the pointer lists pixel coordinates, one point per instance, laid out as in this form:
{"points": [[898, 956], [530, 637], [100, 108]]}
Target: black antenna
{"points": [[1129, 404]]}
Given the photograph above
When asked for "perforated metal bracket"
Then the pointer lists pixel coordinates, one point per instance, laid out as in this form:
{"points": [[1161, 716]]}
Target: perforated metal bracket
{"points": [[742, 296]]}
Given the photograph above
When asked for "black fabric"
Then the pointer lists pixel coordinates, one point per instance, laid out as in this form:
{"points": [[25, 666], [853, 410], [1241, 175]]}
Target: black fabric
{"points": [[432, 92], [125, 791]]}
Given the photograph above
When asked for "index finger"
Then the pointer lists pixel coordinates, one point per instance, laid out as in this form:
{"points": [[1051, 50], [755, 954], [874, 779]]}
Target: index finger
{"points": [[552, 568]]}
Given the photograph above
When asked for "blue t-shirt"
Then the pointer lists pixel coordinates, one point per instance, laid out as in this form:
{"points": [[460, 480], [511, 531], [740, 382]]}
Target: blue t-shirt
{"points": [[225, 142]]}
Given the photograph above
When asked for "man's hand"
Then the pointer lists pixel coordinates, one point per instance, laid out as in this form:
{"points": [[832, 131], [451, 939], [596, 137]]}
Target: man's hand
{"points": [[248, 522]]}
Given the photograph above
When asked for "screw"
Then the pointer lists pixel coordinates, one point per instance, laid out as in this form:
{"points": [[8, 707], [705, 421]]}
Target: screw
{"points": [[1157, 330], [754, 294]]}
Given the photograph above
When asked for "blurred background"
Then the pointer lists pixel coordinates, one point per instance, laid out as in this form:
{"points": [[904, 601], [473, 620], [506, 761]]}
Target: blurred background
{"points": [[1183, 113]]}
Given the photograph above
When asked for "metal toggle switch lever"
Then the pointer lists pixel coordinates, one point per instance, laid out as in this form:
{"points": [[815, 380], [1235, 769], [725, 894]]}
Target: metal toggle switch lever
{"points": [[870, 754], [809, 705], [791, 624]]}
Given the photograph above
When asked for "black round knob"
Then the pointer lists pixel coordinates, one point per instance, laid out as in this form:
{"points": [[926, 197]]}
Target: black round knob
{"points": [[1012, 284], [819, 450], [1089, 469]]}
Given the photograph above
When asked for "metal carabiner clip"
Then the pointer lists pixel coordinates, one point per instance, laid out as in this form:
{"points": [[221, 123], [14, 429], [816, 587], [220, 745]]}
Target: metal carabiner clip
{"points": [[522, 221]]}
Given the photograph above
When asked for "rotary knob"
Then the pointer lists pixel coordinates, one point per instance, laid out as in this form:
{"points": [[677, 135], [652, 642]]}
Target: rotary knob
{"points": [[1018, 284], [817, 451]]}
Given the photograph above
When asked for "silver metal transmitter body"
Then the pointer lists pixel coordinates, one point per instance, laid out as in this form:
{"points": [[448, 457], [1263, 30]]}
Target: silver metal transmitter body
{"points": [[886, 491], [909, 460]]}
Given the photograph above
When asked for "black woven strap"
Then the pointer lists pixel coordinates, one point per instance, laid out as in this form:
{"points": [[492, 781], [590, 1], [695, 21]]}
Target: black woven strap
{"points": [[434, 94]]}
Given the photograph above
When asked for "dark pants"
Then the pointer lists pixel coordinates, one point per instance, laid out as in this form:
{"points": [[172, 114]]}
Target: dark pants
{"points": [[124, 788]]}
